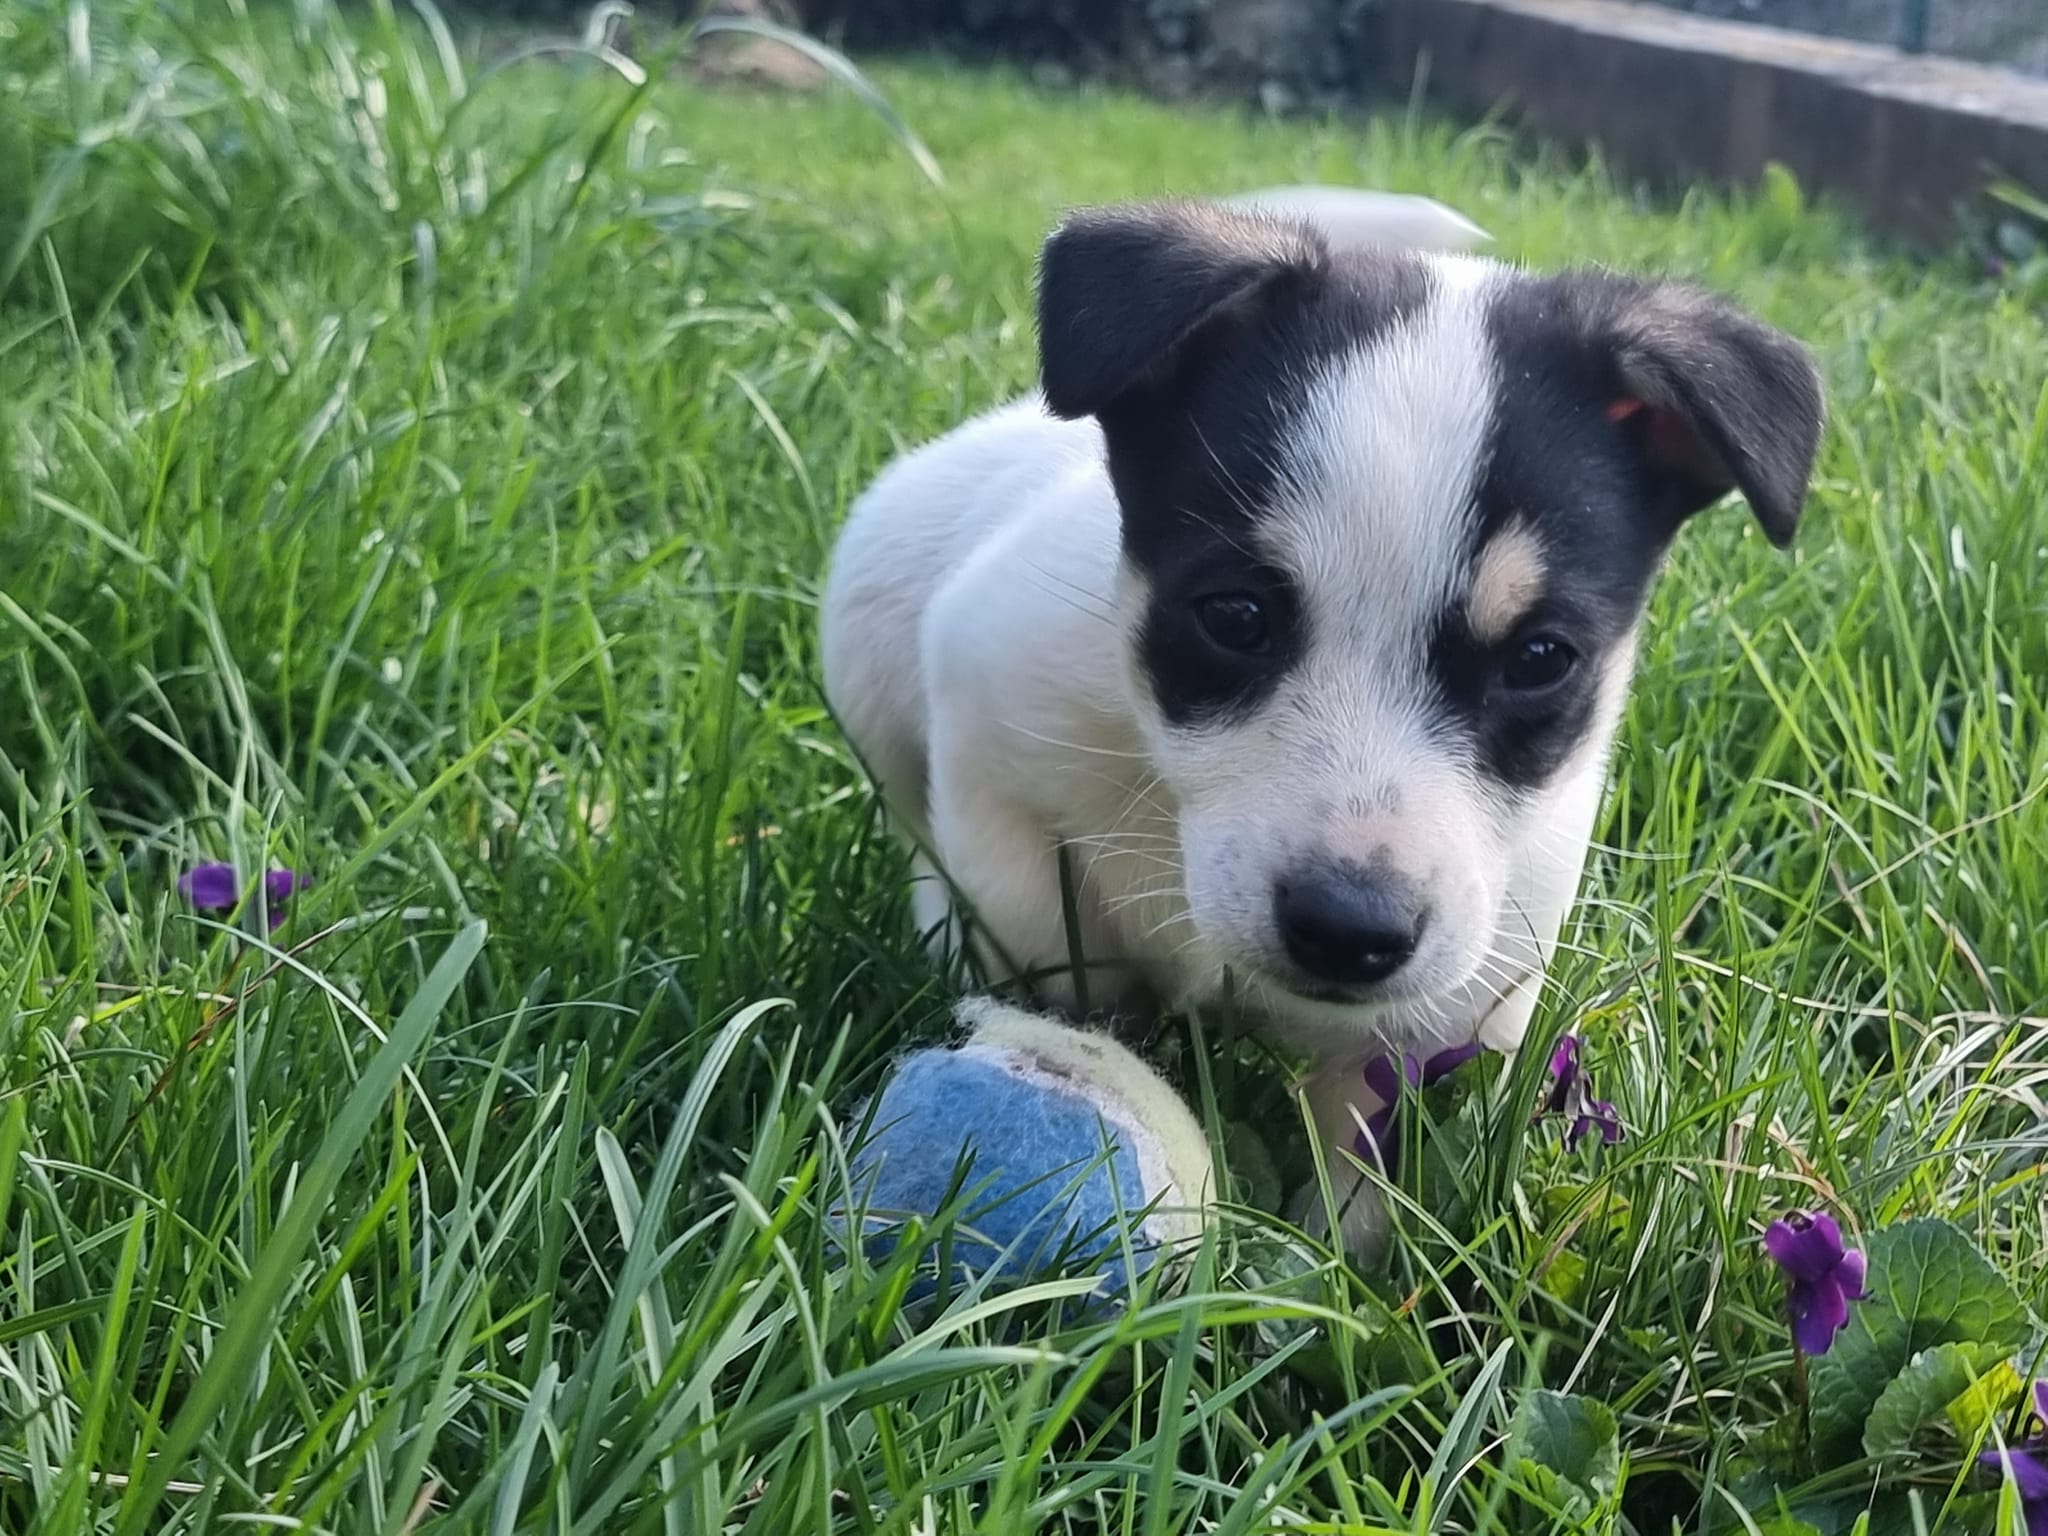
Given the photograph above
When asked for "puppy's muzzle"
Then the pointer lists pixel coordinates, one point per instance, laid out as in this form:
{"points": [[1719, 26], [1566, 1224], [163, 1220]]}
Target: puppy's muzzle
{"points": [[1345, 927]]}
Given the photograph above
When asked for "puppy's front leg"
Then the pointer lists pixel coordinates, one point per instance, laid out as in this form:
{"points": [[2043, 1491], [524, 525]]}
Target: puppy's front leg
{"points": [[1339, 1102], [1507, 1022], [1004, 863]]}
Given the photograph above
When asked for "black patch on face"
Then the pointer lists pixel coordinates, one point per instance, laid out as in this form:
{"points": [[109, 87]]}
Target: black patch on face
{"points": [[1569, 476], [1624, 408], [1194, 457], [1719, 400], [1557, 465]]}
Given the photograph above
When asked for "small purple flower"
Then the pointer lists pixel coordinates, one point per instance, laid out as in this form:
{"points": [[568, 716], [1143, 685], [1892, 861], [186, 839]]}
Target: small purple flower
{"points": [[2026, 1463], [217, 888], [1598, 1115], [1564, 1074], [210, 887], [1571, 1093], [1821, 1276], [1376, 1140]]}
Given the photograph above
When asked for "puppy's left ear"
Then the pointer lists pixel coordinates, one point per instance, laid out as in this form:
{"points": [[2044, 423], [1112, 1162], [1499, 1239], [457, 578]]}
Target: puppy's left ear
{"points": [[1717, 401], [1125, 294]]}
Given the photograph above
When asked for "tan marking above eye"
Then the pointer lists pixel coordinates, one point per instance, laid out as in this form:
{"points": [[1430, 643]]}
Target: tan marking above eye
{"points": [[1507, 580]]}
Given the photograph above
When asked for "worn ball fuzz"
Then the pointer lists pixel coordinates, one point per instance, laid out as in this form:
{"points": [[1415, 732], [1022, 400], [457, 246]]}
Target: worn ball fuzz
{"points": [[1059, 1151]]}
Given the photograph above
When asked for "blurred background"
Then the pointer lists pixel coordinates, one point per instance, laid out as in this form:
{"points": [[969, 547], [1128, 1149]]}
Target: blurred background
{"points": [[2010, 33], [1929, 116]]}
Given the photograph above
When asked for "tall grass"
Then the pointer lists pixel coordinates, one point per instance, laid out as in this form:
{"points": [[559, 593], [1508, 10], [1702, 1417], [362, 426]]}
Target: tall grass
{"points": [[416, 463]]}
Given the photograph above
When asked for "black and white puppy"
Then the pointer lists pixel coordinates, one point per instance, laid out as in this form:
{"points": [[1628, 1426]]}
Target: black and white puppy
{"points": [[1296, 611]]}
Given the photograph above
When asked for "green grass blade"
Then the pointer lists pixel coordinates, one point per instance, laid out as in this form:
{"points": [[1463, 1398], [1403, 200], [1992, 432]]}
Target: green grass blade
{"points": [[248, 1330]]}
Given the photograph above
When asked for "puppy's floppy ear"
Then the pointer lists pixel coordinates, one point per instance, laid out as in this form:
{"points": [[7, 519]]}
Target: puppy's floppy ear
{"points": [[1123, 291], [1717, 401]]}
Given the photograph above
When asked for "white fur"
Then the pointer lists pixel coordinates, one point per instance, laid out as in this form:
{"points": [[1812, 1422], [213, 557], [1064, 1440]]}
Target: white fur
{"points": [[1353, 216], [977, 651]]}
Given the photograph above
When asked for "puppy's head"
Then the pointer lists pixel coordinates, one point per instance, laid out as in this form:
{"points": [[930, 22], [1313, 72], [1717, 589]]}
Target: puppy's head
{"points": [[1389, 522]]}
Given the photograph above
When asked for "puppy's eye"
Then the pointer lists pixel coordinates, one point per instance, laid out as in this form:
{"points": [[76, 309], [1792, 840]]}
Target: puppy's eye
{"points": [[1541, 662], [1236, 621]]}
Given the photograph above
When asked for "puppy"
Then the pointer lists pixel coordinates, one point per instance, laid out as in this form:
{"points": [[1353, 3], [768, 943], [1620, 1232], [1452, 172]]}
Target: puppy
{"points": [[1288, 624]]}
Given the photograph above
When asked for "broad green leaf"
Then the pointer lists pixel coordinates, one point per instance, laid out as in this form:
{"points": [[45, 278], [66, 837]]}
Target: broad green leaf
{"points": [[1566, 1277], [1932, 1380], [1781, 1445], [1998, 1512], [1574, 1437], [1604, 1207], [1766, 1504], [1563, 1498], [1989, 1397], [1928, 1286]]}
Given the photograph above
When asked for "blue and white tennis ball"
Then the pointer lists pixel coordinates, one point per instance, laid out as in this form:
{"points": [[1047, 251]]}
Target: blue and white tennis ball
{"points": [[1079, 1151]]}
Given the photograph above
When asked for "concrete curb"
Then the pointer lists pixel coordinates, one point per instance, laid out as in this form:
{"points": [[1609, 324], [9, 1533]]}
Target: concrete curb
{"points": [[1910, 141]]}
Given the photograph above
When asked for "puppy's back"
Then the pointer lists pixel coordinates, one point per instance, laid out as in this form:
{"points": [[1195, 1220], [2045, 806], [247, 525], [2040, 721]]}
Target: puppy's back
{"points": [[1351, 218], [906, 534]]}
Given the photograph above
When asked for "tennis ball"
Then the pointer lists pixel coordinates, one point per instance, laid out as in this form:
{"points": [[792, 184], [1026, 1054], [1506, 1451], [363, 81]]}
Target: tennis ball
{"points": [[1069, 1153]]}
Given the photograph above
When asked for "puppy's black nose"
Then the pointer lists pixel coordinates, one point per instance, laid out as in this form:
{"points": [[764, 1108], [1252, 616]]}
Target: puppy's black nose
{"points": [[1346, 927]]}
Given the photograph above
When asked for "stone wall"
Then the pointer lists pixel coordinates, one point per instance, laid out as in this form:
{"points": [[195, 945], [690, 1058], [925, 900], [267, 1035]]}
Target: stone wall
{"points": [[2013, 33], [1911, 141]]}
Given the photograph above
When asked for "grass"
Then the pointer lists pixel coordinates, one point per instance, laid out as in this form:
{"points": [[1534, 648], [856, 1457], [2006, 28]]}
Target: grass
{"points": [[420, 476]]}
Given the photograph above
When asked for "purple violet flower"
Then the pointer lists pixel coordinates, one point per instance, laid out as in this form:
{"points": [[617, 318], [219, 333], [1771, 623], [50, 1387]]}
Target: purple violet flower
{"points": [[1598, 1115], [1821, 1276], [1564, 1074], [2026, 1463], [1571, 1092], [217, 888], [1377, 1141], [210, 887]]}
